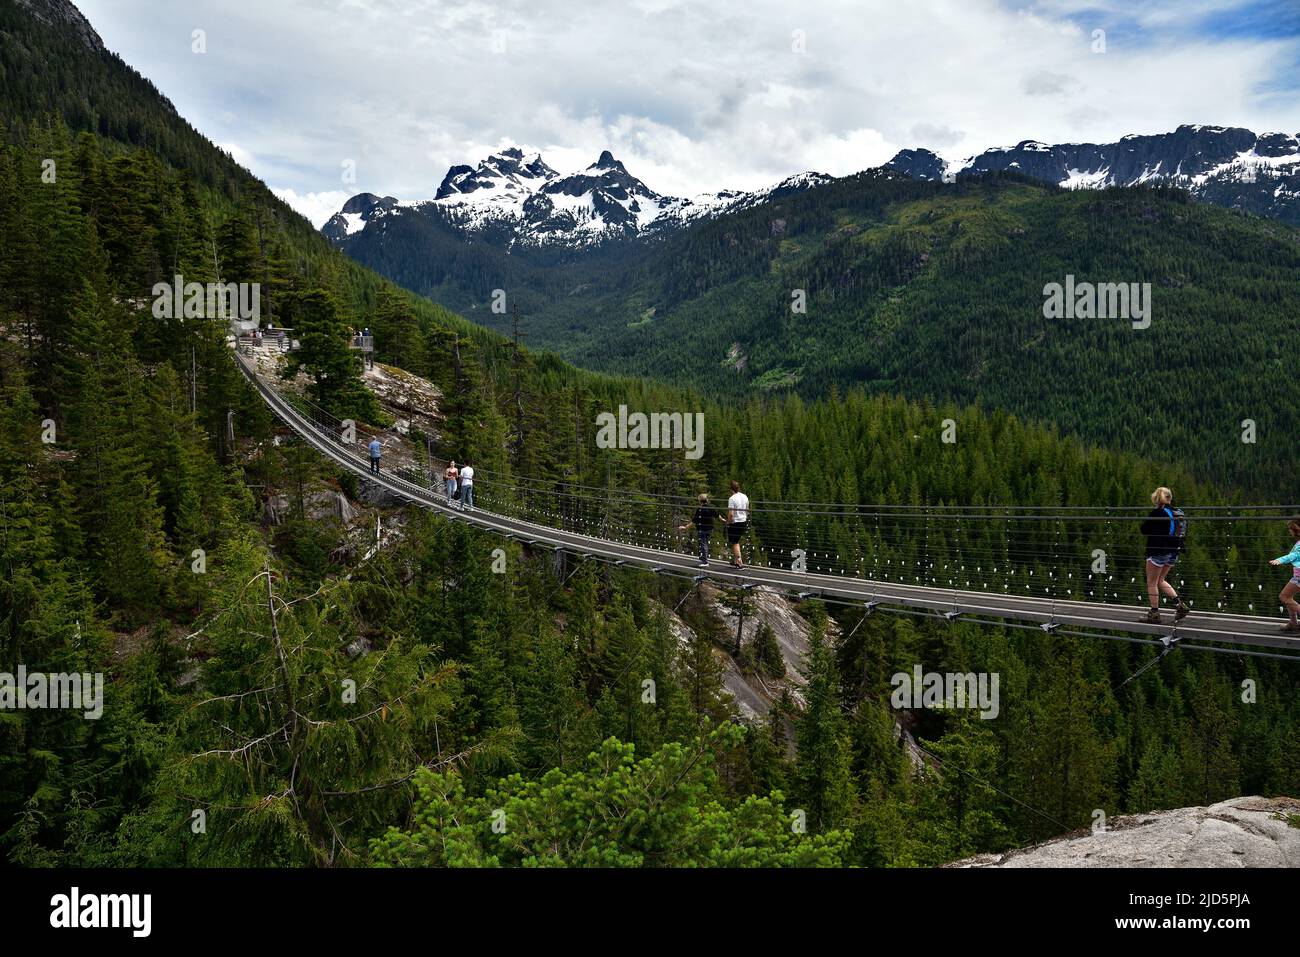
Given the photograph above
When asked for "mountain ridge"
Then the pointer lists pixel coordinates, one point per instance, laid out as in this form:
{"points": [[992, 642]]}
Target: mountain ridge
{"points": [[62, 14], [511, 198], [515, 198], [1224, 165]]}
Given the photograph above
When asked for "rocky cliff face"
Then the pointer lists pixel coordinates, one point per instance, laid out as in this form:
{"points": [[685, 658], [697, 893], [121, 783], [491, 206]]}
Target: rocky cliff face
{"points": [[62, 14], [754, 694], [1243, 832]]}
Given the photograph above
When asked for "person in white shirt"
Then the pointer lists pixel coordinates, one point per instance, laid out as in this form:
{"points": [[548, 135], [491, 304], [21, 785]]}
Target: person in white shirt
{"points": [[467, 488], [737, 522]]}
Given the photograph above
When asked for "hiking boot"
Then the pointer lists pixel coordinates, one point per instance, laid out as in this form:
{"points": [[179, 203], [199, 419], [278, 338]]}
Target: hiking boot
{"points": [[1152, 617], [1181, 611], [1291, 628]]}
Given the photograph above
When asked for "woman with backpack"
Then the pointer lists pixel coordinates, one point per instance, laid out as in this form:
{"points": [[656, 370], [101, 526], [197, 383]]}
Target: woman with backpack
{"points": [[1164, 528], [1293, 586]]}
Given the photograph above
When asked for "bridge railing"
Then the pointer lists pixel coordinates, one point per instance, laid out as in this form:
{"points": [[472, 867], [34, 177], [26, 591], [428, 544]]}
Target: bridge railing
{"points": [[1075, 554], [1093, 553]]}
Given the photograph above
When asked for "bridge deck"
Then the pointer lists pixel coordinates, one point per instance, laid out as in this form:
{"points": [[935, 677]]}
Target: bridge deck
{"points": [[1199, 626]]}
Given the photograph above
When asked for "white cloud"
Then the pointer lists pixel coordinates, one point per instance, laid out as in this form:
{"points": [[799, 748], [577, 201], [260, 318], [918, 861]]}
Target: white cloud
{"points": [[691, 96], [317, 207], [241, 155]]}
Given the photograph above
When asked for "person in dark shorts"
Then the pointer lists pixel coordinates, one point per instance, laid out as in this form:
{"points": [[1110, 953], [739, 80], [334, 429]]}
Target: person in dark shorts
{"points": [[1164, 529], [703, 519], [737, 522]]}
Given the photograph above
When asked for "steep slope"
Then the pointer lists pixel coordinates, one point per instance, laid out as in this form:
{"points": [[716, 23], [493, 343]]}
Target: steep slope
{"points": [[938, 290], [98, 92]]}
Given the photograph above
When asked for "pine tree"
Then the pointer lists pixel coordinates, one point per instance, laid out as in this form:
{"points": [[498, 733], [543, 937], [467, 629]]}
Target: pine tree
{"points": [[822, 777], [299, 766], [397, 332], [108, 427], [324, 355], [965, 791], [766, 652], [1066, 769]]}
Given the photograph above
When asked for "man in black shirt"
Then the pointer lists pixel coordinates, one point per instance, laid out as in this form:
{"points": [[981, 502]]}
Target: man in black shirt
{"points": [[703, 519]]}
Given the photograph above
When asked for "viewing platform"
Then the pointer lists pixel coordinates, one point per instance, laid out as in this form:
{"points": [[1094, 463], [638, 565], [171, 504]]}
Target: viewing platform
{"points": [[281, 339], [272, 338]]}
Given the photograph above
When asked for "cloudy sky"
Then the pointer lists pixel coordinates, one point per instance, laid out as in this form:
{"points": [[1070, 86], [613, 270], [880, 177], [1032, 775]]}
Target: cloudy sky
{"points": [[693, 95]]}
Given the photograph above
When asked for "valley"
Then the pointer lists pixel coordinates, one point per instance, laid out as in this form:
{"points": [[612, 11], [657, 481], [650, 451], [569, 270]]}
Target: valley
{"points": [[947, 390]]}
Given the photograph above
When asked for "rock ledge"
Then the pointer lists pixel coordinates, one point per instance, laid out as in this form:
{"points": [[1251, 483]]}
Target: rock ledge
{"points": [[1242, 832]]}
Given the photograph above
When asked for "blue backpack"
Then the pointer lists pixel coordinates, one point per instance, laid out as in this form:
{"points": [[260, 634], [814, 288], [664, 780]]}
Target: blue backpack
{"points": [[1177, 524]]}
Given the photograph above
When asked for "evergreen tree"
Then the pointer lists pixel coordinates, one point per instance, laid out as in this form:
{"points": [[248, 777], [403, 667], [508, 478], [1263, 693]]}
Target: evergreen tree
{"points": [[823, 782], [324, 355]]}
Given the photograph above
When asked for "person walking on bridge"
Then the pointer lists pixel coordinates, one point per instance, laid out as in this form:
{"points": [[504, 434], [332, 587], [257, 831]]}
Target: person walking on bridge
{"points": [[1165, 528], [1289, 591], [376, 449], [467, 488], [450, 475], [737, 522], [703, 519]]}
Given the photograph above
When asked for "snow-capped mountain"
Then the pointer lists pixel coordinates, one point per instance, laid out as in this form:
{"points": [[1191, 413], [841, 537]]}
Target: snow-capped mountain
{"points": [[512, 199], [1228, 166], [516, 198]]}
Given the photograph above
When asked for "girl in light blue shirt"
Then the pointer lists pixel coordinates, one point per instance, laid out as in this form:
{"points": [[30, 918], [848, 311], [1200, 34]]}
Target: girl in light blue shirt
{"points": [[1288, 595]]}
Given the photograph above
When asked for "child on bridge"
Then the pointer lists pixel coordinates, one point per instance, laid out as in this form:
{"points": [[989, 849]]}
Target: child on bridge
{"points": [[703, 519], [1293, 586]]}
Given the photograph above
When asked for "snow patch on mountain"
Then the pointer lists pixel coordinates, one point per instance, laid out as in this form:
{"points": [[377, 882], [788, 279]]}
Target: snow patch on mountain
{"points": [[1228, 166], [1078, 179], [513, 197]]}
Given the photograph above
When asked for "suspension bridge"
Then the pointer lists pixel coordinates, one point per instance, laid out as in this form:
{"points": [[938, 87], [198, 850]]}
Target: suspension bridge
{"points": [[1004, 586]]}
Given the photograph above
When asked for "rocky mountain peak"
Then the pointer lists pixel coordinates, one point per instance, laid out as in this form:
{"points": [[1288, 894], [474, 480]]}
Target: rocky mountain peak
{"points": [[607, 161], [1230, 166], [512, 196], [62, 14]]}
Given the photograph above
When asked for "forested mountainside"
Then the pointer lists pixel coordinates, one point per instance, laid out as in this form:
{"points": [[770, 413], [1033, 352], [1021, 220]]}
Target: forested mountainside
{"points": [[157, 526], [935, 291]]}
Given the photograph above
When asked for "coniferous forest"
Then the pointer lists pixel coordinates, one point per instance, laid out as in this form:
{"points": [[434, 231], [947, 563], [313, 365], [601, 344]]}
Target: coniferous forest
{"points": [[160, 526]]}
